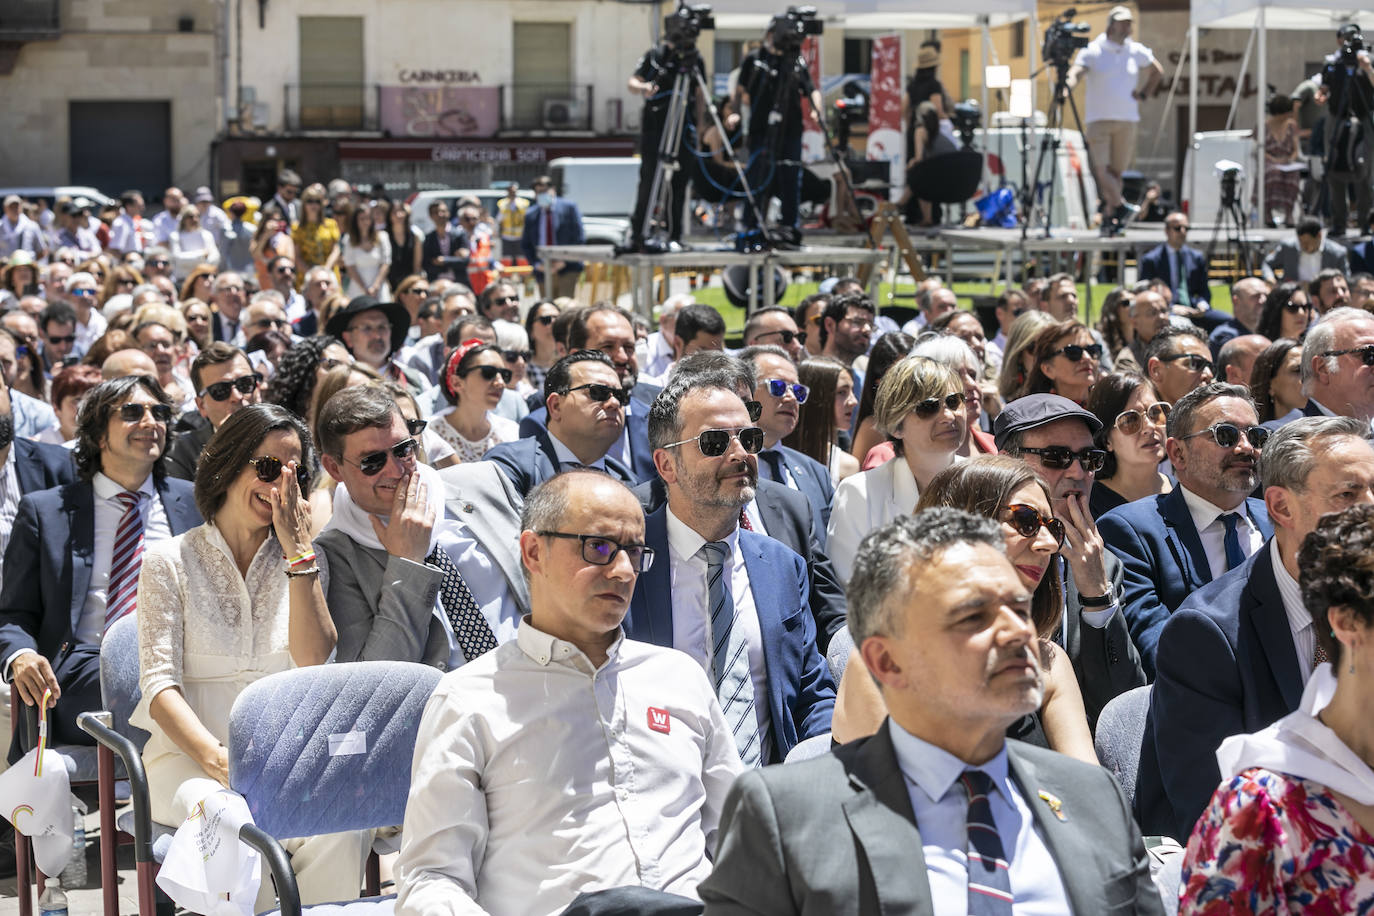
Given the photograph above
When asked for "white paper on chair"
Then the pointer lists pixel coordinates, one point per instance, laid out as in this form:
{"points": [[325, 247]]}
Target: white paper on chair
{"points": [[38, 802], [207, 869]]}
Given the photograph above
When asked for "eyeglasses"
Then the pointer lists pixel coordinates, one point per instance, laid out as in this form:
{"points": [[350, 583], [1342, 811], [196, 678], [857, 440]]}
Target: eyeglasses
{"points": [[83, 293], [1061, 457], [330, 362], [371, 328], [1227, 435], [787, 336], [1028, 521], [286, 271], [1074, 352], [418, 291], [274, 322], [1366, 353], [502, 300], [778, 388], [1177, 228], [714, 442], [244, 384], [489, 373], [159, 262], [755, 409], [64, 339], [546, 319], [133, 412], [600, 551], [230, 288], [599, 392], [269, 471], [1294, 308], [1191, 361], [931, 406], [512, 356], [1130, 421], [372, 463], [862, 321], [416, 427]]}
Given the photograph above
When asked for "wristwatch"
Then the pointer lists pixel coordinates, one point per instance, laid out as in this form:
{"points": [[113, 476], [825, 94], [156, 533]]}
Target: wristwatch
{"points": [[1098, 601]]}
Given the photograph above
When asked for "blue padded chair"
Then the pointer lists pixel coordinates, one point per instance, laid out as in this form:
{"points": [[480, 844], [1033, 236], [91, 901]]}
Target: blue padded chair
{"points": [[280, 759], [1120, 732], [805, 749]]}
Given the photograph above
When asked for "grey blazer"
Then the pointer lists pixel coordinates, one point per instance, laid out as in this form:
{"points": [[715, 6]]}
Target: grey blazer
{"points": [[1285, 258], [383, 606], [835, 836]]}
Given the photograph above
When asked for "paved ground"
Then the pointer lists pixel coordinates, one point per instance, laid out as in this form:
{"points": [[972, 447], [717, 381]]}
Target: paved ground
{"points": [[85, 900]]}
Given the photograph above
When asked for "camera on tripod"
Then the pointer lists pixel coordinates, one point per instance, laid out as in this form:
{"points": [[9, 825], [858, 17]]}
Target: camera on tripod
{"points": [[1352, 43], [791, 28], [683, 26], [1229, 173], [966, 117], [1063, 38]]}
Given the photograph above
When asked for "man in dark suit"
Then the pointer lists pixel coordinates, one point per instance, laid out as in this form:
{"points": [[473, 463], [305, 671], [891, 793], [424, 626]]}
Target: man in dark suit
{"points": [[444, 251], [1234, 657], [1054, 436], [228, 296], [585, 405], [1335, 377], [552, 221], [1184, 269], [1306, 256], [609, 329], [1174, 544], [779, 391], [938, 812], [223, 381], [734, 600], [73, 557]]}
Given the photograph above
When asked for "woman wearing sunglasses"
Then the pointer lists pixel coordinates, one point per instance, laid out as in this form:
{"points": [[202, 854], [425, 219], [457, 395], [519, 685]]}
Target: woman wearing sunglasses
{"points": [[921, 411], [828, 407], [475, 376], [1067, 361], [1286, 312], [1132, 435], [544, 353], [1276, 380], [225, 604], [1008, 490], [316, 236]]}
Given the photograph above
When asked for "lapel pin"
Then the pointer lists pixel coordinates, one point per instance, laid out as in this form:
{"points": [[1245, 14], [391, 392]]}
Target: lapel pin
{"points": [[1055, 804], [468, 507]]}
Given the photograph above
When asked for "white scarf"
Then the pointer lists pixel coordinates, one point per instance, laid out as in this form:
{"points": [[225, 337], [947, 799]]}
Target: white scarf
{"points": [[1300, 745], [353, 521]]}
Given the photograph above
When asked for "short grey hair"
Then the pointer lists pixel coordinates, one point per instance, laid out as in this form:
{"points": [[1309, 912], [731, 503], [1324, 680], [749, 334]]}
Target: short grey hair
{"points": [[750, 355], [316, 271], [224, 279], [268, 295], [889, 555], [1321, 337], [1180, 422], [80, 276], [1294, 450], [948, 350], [510, 336]]}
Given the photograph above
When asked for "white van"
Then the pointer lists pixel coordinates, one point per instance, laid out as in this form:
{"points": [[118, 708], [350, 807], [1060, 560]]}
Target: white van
{"points": [[600, 186]]}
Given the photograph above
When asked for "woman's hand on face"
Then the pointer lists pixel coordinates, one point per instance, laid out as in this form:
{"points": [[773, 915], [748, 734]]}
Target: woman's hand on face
{"points": [[291, 512]]}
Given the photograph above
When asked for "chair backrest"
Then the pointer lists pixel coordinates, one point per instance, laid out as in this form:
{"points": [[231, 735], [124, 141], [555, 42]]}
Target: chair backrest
{"points": [[119, 669], [807, 748], [837, 653], [328, 748], [947, 178], [1120, 731]]}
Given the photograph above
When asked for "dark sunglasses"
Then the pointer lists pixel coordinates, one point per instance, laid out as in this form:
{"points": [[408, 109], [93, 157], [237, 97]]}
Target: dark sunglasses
{"points": [[417, 291], [244, 384], [599, 392], [1028, 521], [546, 319], [1061, 457], [931, 406], [372, 463], [269, 471], [1227, 435], [416, 427], [1366, 353], [64, 339], [787, 337], [1192, 361], [1296, 307], [286, 271], [489, 373], [1074, 352], [755, 409], [133, 412], [83, 293], [1177, 228], [601, 551], [502, 300], [1130, 421], [274, 322], [159, 262], [714, 442], [778, 388], [511, 356]]}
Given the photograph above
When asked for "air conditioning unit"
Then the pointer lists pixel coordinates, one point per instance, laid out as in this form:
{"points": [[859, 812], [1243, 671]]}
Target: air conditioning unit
{"points": [[564, 114]]}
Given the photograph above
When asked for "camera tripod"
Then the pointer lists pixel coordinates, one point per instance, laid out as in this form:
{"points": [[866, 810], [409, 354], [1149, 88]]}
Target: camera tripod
{"points": [[1231, 220], [1050, 139]]}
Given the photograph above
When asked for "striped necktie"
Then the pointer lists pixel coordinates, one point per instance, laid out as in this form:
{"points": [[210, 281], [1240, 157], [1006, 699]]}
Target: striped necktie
{"points": [[125, 561], [989, 881], [730, 659]]}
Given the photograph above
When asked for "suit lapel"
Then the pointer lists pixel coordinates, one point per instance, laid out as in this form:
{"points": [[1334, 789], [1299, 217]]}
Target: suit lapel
{"points": [[652, 604], [766, 585], [1182, 530], [179, 519], [491, 530], [80, 506], [1064, 839], [27, 468], [1266, 613]]}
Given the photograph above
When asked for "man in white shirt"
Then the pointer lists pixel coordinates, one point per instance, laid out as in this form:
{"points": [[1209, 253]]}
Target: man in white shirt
{"points": [[18, 232], [572, 759], [1112, 64], [130, 231], [655, 352], [165, 223]]}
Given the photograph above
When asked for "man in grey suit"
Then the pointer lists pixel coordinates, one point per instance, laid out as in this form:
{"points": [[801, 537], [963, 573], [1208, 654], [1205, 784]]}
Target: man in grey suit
{"points": [[938, 812], [1308, 255], [404, 578]]}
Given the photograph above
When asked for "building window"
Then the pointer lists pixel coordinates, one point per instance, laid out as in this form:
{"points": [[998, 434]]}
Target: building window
{"points": [[331, 92], [963, 73], [1018, 39]]}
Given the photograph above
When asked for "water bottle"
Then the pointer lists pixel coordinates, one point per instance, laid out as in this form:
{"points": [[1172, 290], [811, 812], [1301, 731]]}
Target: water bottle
{"points": [[74, 875], [53, 901]]}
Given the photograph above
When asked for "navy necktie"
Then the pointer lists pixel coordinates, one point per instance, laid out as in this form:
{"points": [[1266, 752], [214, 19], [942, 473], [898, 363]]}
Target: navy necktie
{"points": [[989, 879], [772, 460], [1234, 554]]}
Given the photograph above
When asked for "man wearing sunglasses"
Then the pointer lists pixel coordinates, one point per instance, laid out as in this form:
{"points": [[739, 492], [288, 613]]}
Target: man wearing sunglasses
{"points": [[586, 416], [1181, 266], [499, 301], [265, 313], [570, 760], [1338, 366], [90, 324], [224, 382], [774, 327], [72, 563], [1172, 545], [1054, 436], [1178, 360], [1234, 657], [282, 271], [406, 580], [58, 326], [735, 600]]}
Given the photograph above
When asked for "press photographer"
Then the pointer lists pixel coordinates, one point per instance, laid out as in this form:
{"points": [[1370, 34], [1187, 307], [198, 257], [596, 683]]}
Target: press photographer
{"points": [[1348, 81]]}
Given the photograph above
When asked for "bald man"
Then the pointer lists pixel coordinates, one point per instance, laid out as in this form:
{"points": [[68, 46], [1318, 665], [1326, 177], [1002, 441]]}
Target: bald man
{"points": [[1237, 358], [127, 362]]}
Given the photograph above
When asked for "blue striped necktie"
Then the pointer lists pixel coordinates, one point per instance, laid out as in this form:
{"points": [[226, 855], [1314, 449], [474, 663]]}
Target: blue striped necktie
{"points": [[989, 881], [730, 658]]}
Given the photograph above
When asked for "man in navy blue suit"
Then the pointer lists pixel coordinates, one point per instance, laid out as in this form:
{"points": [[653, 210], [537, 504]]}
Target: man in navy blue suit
{"points": [[552, 221], [734, 600], [1172, 545], [65, 582], [1234, 657], [1184, 269]]}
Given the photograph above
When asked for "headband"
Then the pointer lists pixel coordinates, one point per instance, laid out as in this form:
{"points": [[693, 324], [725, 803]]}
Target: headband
{"points": [[456, 357]]}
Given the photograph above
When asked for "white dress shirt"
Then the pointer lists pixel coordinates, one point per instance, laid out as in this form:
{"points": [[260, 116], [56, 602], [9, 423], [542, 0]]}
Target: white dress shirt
{"points": [[941, 808], [1212, 530], [1299, 621], [1309, 265], [538, 776], [90, 332], [9, 501]]}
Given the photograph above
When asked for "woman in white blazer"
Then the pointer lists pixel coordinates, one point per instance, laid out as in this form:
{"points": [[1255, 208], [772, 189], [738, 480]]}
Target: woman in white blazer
{"points": [[920, 408]]}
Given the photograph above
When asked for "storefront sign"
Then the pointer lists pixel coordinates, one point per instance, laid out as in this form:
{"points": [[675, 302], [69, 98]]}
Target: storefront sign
{"points": [[495, 152], [451, 77], [445, 111]]}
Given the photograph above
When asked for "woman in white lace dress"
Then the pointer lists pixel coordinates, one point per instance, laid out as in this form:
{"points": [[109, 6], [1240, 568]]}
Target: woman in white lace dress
{"points": [[224, 605], [475, 377], [366, 257]]}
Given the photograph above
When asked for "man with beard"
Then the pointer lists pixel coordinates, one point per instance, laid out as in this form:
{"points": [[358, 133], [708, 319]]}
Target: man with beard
{"points": [[752, 630], [846, 325], [373, 332], [1172, 545]]}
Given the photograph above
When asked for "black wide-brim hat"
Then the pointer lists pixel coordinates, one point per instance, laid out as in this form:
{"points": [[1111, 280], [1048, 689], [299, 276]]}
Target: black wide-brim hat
{"points": [[395, 313]]}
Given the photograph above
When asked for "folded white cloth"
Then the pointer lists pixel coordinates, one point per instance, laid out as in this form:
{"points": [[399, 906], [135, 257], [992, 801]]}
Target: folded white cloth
{"points": [[207, 869], [37, 800]]}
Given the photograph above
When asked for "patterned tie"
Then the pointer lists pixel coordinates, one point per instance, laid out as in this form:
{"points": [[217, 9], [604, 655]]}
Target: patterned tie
{"points": [[125, 561], [1318, 653], [474, 633], [730, 659], [1234, 555], [989, 882], [744, 521]]}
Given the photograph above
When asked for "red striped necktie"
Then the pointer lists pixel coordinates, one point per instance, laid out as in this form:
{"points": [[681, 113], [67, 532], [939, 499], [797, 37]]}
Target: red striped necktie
{"points": [[125, 562]]}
